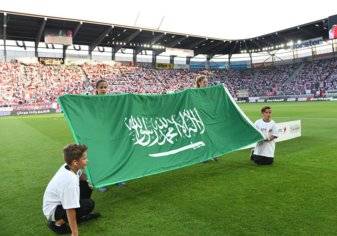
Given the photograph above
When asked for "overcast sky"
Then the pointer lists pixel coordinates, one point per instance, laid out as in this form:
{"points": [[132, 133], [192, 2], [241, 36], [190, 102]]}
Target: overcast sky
{"points": [[237, 19]]}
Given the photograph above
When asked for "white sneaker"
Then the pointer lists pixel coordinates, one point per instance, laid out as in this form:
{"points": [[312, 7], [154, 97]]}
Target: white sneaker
{"points": [[103, 189]]}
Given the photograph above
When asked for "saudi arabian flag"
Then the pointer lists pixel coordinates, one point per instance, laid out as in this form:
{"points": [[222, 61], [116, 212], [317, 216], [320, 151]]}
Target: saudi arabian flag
{"points": [[130, 136]]}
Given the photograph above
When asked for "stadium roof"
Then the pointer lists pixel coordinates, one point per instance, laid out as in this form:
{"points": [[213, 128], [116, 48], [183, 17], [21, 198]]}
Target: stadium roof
{"points": [[28, 27]]}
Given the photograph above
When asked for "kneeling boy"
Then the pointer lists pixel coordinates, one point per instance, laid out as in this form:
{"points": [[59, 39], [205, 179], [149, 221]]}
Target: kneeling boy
{"points": [[66, 200], [263, 153]]}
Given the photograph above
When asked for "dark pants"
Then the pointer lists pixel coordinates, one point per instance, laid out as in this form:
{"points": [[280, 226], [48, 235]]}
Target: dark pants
{"points": [[87, 205], [261, 160], [85, 190]]}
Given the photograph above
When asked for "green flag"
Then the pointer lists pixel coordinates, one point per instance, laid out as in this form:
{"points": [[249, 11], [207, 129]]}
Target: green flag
{"points": [[130, 136]]}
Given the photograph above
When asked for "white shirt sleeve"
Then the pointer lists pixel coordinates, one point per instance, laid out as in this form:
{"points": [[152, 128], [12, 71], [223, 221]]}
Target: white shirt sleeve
{"points": [[71, 197], [258, 126]]}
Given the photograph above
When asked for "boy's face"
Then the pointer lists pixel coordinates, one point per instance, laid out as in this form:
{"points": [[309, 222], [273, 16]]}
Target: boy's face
{"points": [[82, 162], [102, 88], [266, 114], [203, 83]]}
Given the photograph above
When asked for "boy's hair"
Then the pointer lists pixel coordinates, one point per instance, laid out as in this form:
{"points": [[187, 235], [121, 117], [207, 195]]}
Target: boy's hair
{"points": [[263, 109], [74, 152], [100, 81], [199, 79]]}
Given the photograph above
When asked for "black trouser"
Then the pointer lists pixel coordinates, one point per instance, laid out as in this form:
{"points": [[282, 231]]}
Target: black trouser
{"points": [[87, 205], [85, 190], [262, 160]]}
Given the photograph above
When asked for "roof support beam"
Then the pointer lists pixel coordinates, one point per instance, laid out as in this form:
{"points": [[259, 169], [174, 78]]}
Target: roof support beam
{"points": [[257, 44], [134, 57], [172, 59], [155, 53], [208, 48], [246, 46], [100, 38], [154, 59], [233, 48], [74, 35], [4, 33], [216, 45], [136, 51], [192, 46], [39, 35], [128, 39], [208, 59], [77, 29], [210, 56], [157, 38], [23, 45], [188, 60], [251, 59], [176, 42]]}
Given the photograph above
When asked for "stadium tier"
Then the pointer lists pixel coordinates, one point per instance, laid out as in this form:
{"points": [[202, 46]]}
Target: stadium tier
{"points": [[51, 56], [38, 84]]}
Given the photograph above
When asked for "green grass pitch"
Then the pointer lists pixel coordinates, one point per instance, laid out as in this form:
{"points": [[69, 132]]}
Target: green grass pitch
{"points": [[295, 196]]}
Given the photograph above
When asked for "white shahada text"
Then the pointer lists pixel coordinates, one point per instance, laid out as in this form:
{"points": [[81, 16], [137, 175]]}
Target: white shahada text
{"points": [[150, 131]]}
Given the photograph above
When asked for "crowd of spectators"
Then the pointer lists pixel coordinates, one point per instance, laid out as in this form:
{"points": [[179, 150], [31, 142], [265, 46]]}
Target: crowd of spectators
{"points": [[313, 76], [127, 79], [29, 84], [258, 82], [37, 83]]}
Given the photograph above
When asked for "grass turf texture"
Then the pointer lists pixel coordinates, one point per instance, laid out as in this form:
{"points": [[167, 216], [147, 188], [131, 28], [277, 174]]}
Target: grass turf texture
{"points": [[297, 195]]}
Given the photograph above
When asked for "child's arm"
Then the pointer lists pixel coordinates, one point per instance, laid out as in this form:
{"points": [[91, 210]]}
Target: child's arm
{"points": [[71, 214], [271, 138], [273, 134]]}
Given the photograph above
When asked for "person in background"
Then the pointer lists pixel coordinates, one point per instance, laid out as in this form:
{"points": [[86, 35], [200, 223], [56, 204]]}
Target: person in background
{"points": [[67, 199], [202, 82], [263, 153], [102, 89]]}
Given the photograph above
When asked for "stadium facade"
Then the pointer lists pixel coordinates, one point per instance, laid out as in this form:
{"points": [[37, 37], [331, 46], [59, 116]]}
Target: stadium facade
{"points": [[44, 37], [295, 64]]}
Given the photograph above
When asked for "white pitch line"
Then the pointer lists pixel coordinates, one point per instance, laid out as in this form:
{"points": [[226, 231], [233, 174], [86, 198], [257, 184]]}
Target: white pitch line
{"points": [[308, 118], [31, 117]]}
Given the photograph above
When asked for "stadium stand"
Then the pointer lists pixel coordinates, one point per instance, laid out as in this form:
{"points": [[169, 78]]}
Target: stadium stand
{"points": [[31, 84], [299, 71]]}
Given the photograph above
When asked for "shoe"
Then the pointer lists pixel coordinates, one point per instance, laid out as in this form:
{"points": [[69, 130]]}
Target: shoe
{"points": [[62, 229], [120, 184], [90, 216], [103, 189], [252, 155]]}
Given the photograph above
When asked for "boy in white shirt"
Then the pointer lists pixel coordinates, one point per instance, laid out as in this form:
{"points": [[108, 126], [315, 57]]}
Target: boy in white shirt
{"points": [[263, 153], [66, 200]]}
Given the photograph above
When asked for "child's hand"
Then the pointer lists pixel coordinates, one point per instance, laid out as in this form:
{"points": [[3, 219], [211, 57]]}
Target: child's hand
{"points": [[83, 177], [266, 137]]}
